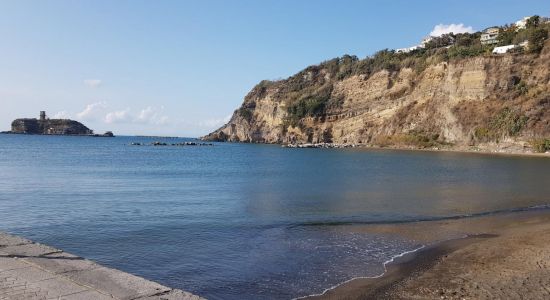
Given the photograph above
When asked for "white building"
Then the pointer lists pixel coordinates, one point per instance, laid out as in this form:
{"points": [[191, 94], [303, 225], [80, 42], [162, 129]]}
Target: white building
{"points": [[504, 49], [490, 36], [407, 50], [507, 48], [522, 24], [422, 45]]}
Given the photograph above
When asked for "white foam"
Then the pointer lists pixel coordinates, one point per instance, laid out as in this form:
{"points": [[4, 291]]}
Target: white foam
{"points": [[366, 277]]}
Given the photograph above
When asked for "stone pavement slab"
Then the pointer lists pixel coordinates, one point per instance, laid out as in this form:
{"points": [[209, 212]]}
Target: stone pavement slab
{"points": [[119, 284], [27, 250], [30, 271], [87, 295], [173, 295], [57, 287], [29, 274], [61, 263], [12, 240], [9, 263]]}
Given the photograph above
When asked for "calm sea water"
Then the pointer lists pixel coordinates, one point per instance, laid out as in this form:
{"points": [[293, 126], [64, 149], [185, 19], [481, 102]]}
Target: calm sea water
{"points": [[238, 221]]}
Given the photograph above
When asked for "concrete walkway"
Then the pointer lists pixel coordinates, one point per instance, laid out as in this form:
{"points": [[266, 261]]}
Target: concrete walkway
{"points": [[34, 271]]}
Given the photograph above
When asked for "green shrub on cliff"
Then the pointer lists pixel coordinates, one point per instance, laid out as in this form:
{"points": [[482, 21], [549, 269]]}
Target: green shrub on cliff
{"points": [[465, 51], [483, 134], [507, 122], [541, 145], [522, 88], [308, 107], [245, 113], [536, 39], [507, 35], [441, 41], [414, 138], [310, 104]]}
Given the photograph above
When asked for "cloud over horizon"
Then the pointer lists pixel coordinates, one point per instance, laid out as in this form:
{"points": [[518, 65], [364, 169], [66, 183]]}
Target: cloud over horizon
{"points": [[442, 29], [100, 111], [119, 116], [152, 115], [92, 111], [150, 120], [92, 83]]}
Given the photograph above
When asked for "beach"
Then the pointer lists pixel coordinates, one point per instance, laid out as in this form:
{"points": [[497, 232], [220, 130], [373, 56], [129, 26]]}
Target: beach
{"points": [[503, 256]]}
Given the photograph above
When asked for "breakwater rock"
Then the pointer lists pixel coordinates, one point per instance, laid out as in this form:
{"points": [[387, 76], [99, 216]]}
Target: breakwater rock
{"points": [[321, 145], [157, 143]]}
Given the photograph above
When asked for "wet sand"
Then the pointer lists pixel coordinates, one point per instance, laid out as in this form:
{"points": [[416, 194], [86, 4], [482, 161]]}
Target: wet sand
{"points": [[495, 257]]}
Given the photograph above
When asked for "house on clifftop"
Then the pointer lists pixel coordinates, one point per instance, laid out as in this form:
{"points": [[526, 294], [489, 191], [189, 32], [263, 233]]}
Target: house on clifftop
{"points": [[490, 36]]}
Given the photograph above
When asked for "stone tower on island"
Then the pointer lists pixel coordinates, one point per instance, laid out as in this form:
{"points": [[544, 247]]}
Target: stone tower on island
{"points": [[44, 125]]}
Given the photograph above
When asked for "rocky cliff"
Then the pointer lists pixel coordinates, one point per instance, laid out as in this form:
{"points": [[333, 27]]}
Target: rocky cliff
{"points": [[427, 100], [49, 126]]}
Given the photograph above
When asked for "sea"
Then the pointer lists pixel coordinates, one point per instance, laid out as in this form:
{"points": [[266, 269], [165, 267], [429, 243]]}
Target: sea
{"points": [[245, 221]]}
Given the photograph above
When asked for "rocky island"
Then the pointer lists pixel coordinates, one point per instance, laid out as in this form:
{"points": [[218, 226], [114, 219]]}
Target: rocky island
{"points": [[47, 126], [456, 91]]}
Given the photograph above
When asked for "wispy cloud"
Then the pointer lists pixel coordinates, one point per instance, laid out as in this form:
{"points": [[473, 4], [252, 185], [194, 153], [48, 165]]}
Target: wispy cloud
{"points": [[92, 111], [100, 111], [442, 29], [92, 83], [119, 116], [152, 115], [149, 115]]}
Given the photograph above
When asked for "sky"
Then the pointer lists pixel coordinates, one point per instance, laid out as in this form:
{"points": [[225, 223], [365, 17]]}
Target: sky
{"points": [[181, 68]]}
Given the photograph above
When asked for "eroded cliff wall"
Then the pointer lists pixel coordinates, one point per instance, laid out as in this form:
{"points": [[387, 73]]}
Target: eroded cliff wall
{"points": [[489, 98]]}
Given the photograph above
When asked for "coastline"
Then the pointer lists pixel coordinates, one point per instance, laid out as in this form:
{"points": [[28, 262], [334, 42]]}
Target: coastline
{"points": [[511, 247], [463, 151], [493, 150]]}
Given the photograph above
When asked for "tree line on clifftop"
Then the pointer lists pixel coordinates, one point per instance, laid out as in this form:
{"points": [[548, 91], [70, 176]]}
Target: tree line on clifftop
{"points": [[310, 92]]}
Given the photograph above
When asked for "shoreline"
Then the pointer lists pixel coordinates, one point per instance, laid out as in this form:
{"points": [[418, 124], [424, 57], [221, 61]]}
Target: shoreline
{"points": [[469, 150], [387, 264], [424, 273], [462, 151], [504, 149], [396, 269]]}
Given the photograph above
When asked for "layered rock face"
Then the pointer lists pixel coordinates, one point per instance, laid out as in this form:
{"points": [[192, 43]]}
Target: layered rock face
{"points": [[49, 126], [469, 101]]}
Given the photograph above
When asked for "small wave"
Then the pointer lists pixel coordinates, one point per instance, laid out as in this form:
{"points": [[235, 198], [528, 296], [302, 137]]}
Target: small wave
{"points": [[366, 277], [422, 219], [392, 259]]}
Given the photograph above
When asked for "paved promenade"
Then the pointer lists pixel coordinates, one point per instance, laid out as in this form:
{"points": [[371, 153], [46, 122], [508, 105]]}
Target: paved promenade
{"points": [[30, 270]]}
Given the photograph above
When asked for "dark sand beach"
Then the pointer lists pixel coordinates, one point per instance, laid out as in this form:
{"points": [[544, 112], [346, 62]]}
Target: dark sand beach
{"points": [[499, 257]]}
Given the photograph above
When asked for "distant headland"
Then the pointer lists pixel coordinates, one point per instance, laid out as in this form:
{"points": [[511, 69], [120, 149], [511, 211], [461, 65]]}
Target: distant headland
{"points": [[47, 126]]}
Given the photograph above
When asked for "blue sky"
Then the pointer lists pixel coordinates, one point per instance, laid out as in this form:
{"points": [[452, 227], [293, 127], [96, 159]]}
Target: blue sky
{"points": [[182, 67]]}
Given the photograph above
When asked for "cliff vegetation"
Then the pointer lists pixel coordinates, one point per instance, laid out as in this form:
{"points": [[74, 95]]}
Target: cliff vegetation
{"points": [[453, 92]]}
